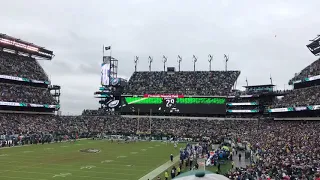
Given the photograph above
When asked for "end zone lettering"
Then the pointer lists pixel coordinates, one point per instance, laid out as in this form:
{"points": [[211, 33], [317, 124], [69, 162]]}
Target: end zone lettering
{"points": [[163, 96]]}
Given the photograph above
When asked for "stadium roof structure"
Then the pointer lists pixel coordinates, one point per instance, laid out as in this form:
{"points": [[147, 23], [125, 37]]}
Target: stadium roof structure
{"points": [[264, 85], [13, 43], [19, 40], [314, 46]]}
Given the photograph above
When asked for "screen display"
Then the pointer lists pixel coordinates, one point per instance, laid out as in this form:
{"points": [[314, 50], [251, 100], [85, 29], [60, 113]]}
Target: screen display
{"points": [[184, 105], [105, 74]]}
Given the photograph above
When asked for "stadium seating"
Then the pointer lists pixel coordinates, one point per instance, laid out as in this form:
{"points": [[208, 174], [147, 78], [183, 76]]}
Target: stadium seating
{"points": [[25, 94], [21, 66], [185, 82], [300, 97], [309, 71], [293, 145]]}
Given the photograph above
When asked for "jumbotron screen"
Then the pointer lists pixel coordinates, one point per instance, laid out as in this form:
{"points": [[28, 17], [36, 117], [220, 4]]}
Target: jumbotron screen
{"points": [[173, 104]]}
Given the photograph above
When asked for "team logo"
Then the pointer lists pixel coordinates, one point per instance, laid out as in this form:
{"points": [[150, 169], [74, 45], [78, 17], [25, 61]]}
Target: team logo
{"points": [[90, 150], [113, 103], [114, 81]]}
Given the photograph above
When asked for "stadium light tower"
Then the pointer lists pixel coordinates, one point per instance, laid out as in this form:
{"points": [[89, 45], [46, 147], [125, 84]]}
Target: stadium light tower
{"points": [[150, 60], [210, 59], [179, 61], [164, 60], [195, 59], [136, 59], [226, 59]]}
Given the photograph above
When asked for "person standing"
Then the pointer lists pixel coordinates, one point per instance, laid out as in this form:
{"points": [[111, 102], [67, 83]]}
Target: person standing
{"points": [[178, 171], [239, 156], [171, 158], [166, 175], [173, 172], [191, 162]]}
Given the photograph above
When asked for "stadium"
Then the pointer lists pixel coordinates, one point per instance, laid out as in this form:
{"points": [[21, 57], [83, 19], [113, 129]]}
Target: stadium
{"points": [[195, 116]]}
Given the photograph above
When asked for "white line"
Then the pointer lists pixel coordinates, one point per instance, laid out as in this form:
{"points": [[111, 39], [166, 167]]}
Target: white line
{"points": [[14, 177], [30, 172], [153, 174]]}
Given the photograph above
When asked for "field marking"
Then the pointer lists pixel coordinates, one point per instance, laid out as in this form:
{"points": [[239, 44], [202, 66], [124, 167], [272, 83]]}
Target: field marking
{"points": [[48, 148], [14, 147], [150, 147], [143, 149], [3, 155], [64, 146], [133, 152], [113, 164], [153, 174], [14, 177], [88, 167], [129, 165], [90, 177], [62, 175], [121, 157], [103, 169], [157, 145], [106, 161]]}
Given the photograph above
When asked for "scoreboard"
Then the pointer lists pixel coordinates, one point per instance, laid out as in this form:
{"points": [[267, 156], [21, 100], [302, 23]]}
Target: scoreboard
{"points": [[173, 104]]}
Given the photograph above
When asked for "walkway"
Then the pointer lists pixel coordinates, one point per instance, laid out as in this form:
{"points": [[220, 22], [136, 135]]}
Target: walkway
{"points": [[153, 174]]}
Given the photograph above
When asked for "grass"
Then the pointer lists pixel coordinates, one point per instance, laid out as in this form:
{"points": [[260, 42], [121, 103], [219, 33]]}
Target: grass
{"points": [[65, 161]]}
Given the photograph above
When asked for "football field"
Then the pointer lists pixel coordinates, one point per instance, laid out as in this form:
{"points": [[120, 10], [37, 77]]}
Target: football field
{"points": [[84, 160]]}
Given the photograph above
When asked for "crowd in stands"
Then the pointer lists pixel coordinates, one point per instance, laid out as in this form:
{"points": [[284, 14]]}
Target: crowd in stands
{"points": [[184, 82], [300, 97], [25, 94], [280, 148], [99, 112], [312, 70], [21, 66]]}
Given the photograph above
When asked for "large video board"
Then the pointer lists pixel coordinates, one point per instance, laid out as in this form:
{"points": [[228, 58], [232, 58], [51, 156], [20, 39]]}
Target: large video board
{"points": [[173, 104]]}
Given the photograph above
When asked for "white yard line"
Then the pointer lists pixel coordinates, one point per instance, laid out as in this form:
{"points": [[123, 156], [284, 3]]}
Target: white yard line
{"points": [[153, 174]]}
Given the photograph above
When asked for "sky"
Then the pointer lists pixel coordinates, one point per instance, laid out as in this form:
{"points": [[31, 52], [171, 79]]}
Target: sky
{"points": [[262, 38]]}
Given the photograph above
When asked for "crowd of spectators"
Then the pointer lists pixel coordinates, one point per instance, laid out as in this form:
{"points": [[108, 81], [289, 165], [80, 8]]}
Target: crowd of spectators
{"points": [[300, 97], [280, 147], [25, 94], [312, 70], [98, 112], [21, 66], [184, 82]]}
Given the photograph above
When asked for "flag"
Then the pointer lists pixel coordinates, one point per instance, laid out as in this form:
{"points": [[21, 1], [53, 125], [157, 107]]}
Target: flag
{"points": [[107, 48], [226, 57]]}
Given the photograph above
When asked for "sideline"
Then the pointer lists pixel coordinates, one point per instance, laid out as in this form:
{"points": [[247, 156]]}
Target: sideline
{"points": [[26, 145], [153, 174]]}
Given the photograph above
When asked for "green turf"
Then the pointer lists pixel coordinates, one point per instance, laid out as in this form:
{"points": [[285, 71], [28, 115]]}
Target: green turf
{"points": [[64, 161]]}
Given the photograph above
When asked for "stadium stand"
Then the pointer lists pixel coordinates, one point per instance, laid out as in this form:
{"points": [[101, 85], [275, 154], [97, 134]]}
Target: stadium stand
{"points": [[312, 70], [21, 66], [26, 94], [279, 147], [300, 97], [185, 82]]}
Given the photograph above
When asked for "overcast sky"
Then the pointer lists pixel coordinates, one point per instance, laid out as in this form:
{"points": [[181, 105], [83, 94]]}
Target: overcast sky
{"points": [[261, 37]]}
